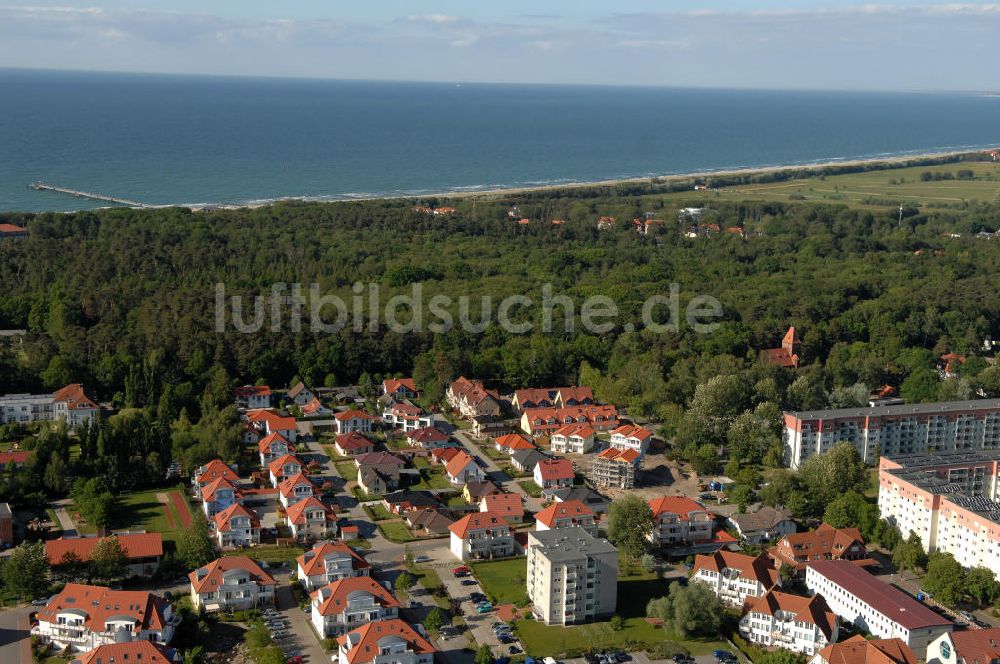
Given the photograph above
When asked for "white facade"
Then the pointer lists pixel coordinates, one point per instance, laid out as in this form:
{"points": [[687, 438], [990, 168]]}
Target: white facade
{"points": [[238, 591], [481, 541], [572, 576], [326, 564], [26, 408], [573, 443], [785, 629], [359, 607]]}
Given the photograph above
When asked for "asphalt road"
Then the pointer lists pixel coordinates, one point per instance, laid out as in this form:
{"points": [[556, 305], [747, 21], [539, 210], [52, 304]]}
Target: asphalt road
{"points": [[15, 641]]}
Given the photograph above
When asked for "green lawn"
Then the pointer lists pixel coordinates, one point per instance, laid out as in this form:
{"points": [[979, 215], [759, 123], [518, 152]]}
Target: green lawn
{"points": [[395, 531], [504, 581], [541, 640], [141, 510], [433, 478], [269, 553], [347, 470], [530, 488], [421, 462], [378, 512]]}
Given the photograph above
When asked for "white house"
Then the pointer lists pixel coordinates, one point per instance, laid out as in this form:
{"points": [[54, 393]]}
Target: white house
{"points": [[295, 488], [328, 562], [350, 603], [219, 495], [273, 446], [69, 404], [406, 416], [764, 525], [554, 473], [300, 395], [353, 420], [631, 437], [312, 518], [283, 468], [253, 396], [236, 526], [231, 583], [735, 577], [481, 536], [791, 622], [572, 439], [384, 642], [462, 469]]}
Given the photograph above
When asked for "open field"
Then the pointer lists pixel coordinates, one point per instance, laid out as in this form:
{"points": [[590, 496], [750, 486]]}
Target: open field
{"points": [[887, 188], [143, 510], [504, 580]]}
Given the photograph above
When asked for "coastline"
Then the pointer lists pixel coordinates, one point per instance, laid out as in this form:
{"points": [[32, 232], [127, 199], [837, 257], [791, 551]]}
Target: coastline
{"points": [[893, 161]]}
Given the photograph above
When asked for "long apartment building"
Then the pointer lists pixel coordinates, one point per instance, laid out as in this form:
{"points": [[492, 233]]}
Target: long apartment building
{"points": [[949, 500], [949, 426], [572, 576], [70, 404]]}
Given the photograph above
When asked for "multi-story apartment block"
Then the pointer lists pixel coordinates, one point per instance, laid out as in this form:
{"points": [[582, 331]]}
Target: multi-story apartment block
{"points": [[873, 606], [949, 500], [791, 622], [572, 576], [544, 421], [951, 426], [567, 514], [472, 399], [404, 415], [70, 404], [735, 577], [615, 468], [236, 526], [572, 439], [824, 543], [678, 520], [481, 536], [231, 583], [82, 617], [328, 562], [350, 603], [384, 642]]}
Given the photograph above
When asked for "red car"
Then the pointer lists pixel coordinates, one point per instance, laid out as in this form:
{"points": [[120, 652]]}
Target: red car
{"points": [[461, 571], [295, 660]]}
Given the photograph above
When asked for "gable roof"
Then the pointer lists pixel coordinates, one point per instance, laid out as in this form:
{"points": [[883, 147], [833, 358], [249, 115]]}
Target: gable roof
{"points": [[477, 490], [477, 521], [977, 645], [333, 597], [296, 513], [444, 454], [246, 391], [392, 384], [345, 415], [311, 561], [514, 442], [426, 435], [858, 650], [753, 568], [265, 443], [314, 406], [580, 429], [287, 485], [298, 389], [824, 541], [763, 519], [379, 459], [633, 431], [811, 610], [592, 413], [276, 466], [678, 505], [615, 454], [575, 393], [99, 603], [354, 441], [412, 498], [16, 456], [222, 518], [433, 520], [363, 643], [135, 545], [209, 577], [74, 397], [458, 463], [209, 490], [215, 469], [528, 458], [503, 504], [568, 509], [555, 469], [138, 652]]}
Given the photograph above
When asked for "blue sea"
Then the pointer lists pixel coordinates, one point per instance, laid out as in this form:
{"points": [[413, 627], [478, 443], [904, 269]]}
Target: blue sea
{"points": [[209, 140]]}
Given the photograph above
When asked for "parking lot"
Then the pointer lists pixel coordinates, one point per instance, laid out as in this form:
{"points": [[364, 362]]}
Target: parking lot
{"points": [[479, 623]]}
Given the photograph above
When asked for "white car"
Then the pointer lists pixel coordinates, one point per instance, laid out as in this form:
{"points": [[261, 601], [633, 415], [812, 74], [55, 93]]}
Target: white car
{"points": [[422, 559]]}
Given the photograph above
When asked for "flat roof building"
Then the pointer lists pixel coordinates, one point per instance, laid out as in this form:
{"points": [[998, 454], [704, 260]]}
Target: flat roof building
{"points": [[572, 576]]}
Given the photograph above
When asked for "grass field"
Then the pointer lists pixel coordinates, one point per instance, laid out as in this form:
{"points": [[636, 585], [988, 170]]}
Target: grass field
{"points": [[395, 531], [504, 580], [347, 470], [142, 510], [270, 554], [887, 188], [530, 488], [432, 478]]}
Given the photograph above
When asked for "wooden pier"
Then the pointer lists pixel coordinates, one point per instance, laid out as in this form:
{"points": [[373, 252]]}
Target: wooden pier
{"points": [[104, 198]]}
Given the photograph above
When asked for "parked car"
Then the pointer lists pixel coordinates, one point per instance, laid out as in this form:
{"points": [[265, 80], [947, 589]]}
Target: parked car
{"points": [[461, 570], [41, 601], [422, 559], [468, 582], [484, 608], [297, 659], [724, 655], [506, 639], [513, 650]]}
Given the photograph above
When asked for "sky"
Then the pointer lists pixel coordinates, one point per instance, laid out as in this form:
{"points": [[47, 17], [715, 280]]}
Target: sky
{"points": [[803, 44]]}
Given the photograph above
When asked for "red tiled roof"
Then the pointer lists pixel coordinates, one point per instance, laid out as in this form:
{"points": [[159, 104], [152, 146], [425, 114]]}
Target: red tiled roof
{"points": [[287, 485], [100, 603], [253, 391], [297, 513], [976, 645], [313, 406], [352, 414], [477, 521], [579, 394], [137, 652], [209, 490], [354, 441], [825, 542], [633, 431], [614, 454], [262, 415], [367, 637], [74, 397], [333, 597], [427, 435], [264, 444], [135, 545], [581, 430], [314, 565], [887, 600], [858, 650], [17, 456], [379, 459], [678, 505], [276, 465], [568, 509], [444, 454], [390, 385], [503, 504], [11, 228], [458, 463], [811, 610], [212, 573], [556, 469], [514, 442], [753, 568], [215, 469], [222, 519]]}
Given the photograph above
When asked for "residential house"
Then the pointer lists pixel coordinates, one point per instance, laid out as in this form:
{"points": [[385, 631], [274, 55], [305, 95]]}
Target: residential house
{"points": [[311, 518], [316, 408], [231, 583], [606, 223], [384, 642], [489, 425], [481, 536], [399, 388], [967, 646], [404, 415], [296, 488], [440, 456], [572, 439], [431, 522], [475, 491], [12, 231], [679, 520], [780, 620], [273, 446], [353, 444], [253, 396], [300, 395], [219, 495], [400, 502], [859, 650], [572, 576], [544, 421], [143, 551], [328, 562], [507, 505], [16, 458], [236, 526], [284, 467], [350, 603], [735, 578], [144, 652], [878, 608], [266, 421], [764, 525], [69, 404], [615, 468], [788, 356], [594, 501], [824, 543], [378, 472], [513, 442], [427, 438], [554, 397], [354, 420], [631, 437], [554, 473], [81, 617], [471, 398], [463, 469], [568, 514], [524, 461], [212, 471]]}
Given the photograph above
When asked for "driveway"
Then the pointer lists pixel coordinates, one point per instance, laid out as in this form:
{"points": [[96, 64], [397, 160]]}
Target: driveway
{"points": [[479, 624], [65, 523], [303, 639], [15, 641]]}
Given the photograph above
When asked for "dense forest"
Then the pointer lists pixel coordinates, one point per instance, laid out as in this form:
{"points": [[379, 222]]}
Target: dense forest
{"points": [[124, 301]]}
